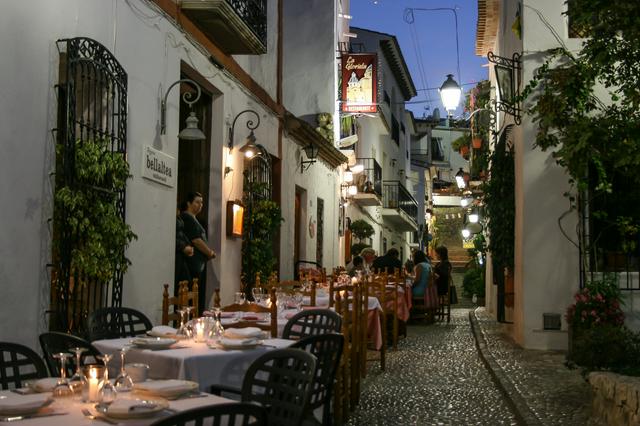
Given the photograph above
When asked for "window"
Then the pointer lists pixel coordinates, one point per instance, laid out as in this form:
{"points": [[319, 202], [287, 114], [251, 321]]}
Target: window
{"points": [[395, 130]]}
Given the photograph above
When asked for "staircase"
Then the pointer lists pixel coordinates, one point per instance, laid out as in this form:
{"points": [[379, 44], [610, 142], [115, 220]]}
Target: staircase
{"points": [[458, 258]]}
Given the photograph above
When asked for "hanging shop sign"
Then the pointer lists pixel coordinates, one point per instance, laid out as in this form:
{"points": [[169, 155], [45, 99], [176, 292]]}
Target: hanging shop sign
{"points": [[158, 166], [359, 82]]}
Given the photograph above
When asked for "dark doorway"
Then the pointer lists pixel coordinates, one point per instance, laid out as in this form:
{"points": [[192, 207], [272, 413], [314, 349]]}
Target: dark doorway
{"points": [[194, 164]]}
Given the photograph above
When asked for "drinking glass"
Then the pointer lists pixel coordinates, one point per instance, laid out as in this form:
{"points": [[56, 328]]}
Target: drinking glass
{"points": [[78, 380], [297, 299], [182, 330], [239, 298], [217, 331], [107, 390], [124, 382], [62, 389], [257, 294]]}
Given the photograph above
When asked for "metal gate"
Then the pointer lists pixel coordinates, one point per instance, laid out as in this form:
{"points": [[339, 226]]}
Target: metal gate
{"points": [[92, 105]]}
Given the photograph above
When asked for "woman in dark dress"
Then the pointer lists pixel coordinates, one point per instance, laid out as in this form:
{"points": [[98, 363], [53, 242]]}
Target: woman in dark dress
{"points": [[442, 270]]}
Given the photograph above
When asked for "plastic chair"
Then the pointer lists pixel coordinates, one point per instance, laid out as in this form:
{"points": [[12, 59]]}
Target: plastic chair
{"points": [[312, 322], [55, 342], [113, 323], [327, 348], [236, 413], [19, 363], [280, 380]]}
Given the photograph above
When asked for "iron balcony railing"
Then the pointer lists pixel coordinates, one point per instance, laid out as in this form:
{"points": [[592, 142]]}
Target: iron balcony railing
{"points": [[254, 14], [396, 196], [370, 180]]}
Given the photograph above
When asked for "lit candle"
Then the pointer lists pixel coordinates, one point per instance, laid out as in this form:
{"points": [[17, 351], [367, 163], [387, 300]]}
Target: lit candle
{"points": [[199, 331], [93, 385]]}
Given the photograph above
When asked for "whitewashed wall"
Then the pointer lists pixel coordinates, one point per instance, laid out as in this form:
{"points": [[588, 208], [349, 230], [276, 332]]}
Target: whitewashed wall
{"points": [[150, 50]]}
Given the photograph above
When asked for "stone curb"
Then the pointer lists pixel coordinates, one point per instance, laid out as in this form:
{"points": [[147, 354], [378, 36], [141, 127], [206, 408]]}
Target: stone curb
{"points": [[514, 399]]}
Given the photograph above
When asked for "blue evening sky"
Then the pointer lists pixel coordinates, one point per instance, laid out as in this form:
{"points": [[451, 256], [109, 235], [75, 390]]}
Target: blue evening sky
{"points": [[433, 38]]}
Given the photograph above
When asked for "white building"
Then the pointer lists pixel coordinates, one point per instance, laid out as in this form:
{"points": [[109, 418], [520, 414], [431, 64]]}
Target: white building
{"points": [[263, 66], [385, 193]]}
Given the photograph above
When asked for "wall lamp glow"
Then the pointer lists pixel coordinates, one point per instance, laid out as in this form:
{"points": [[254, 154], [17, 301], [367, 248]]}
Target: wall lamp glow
{"points": [[466, 233], [249, 149], [474, 217], [460, 179], [191, 132]]}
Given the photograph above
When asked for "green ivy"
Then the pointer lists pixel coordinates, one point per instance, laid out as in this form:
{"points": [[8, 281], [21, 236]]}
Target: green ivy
{"points": [[587, 108], [361, 229], [499, 199], [87, 211]]}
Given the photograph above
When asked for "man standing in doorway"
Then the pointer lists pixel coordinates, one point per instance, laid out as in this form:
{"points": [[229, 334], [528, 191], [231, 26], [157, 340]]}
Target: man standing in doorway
{"points": [[195, 233]]}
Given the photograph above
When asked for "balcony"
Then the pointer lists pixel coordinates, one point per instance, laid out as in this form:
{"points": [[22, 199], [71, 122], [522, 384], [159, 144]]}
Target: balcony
{"points": [[238, 27], [399, 208], [369, 183]]}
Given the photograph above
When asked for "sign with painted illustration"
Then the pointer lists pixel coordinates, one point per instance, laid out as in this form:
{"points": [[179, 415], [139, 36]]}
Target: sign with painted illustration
{"points": [[158, 166], [359, 82]]}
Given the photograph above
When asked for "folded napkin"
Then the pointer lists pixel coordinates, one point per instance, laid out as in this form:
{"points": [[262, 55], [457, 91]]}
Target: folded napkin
{"points": [[44, 385], [123, 407], [237, 342], [162, 330], [14, 403], [250, 317], [242, 333], [227, 314], [164, 386]]}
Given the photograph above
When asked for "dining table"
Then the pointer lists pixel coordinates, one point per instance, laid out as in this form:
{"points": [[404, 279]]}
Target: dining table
{"points": [[69, 411], [190, 360]]}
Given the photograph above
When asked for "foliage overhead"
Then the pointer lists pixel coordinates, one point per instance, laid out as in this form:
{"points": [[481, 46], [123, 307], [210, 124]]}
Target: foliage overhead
{"points": [[587, 108], [87, 209], [361, 229]]}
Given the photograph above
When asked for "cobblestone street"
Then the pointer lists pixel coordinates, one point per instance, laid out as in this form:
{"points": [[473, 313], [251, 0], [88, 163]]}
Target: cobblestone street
{"points": [[438, 377]]}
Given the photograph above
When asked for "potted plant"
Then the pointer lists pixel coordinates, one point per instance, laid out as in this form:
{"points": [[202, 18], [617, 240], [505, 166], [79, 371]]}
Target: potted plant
{"points": [[361, 229], [476, 142], [87, 210], [462, 144]]}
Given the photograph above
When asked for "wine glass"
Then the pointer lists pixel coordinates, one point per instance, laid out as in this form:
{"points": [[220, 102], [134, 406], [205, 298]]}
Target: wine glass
{"points": [[62, 389], [239, 298], [189, 324], [107, 390], [182, 330], [124, 382], [78, 381], [297, 299], [257, 294]]}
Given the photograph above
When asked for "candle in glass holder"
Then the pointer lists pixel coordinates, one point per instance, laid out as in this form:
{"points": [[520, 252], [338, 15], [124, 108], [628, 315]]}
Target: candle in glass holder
{"points": [[199, 330], [93, 385]]}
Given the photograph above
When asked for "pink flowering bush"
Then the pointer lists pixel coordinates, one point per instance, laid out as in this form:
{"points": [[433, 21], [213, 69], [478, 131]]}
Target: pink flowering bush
{"points": [[598, 303]]}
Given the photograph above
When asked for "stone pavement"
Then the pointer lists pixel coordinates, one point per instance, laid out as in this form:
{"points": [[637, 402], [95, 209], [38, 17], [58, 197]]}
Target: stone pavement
{"points": [[468, 373]]}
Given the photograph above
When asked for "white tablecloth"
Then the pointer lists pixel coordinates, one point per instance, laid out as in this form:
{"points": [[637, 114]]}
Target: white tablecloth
{"points": [[74, 415], [191, 361]]}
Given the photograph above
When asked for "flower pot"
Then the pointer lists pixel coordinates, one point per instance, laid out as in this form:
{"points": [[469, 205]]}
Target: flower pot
{"points": [[464, 150], [476, 143]]}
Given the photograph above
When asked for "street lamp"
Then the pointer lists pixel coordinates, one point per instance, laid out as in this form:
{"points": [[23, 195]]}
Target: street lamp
{"points": [[250, 149], [191, 132], [450, 94]]}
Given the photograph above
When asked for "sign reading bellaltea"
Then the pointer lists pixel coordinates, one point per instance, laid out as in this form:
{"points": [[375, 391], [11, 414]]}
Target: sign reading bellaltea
{"points": [[158, 166], [359, 82]]}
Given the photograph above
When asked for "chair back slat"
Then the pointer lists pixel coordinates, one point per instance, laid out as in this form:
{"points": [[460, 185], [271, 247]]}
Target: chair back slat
{"points": [[54, 342], [312, 322], [281, 380], [18, 363], [233, 413], [114, 322]]}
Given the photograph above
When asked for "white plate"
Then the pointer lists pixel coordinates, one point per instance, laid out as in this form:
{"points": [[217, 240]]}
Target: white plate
{"points": [[133, 408], [17, 405], [169, 389], [44, 385], [153, 342]]}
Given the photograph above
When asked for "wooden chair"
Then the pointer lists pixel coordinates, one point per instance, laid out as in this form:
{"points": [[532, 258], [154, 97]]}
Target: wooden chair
{"points": [[232, 413], [377, 288], [18, 364], [272, 310], [55, 342], [312, 322], [169, 302], [190, 297], [114, 322], [327, 348], [349, 305]]}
